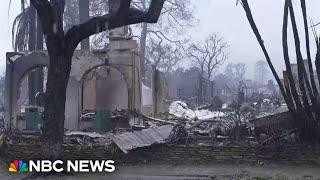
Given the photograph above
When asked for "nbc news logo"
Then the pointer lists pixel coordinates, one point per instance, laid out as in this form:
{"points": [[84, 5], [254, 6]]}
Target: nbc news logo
{"points": [[19, 166]]}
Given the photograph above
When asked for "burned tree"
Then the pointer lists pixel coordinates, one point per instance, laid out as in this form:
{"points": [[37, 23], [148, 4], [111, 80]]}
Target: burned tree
{"points": [[61, 46], [302, 97], [175, 17], [83, 17], [80, 11], [208, 56], [163, 56]]}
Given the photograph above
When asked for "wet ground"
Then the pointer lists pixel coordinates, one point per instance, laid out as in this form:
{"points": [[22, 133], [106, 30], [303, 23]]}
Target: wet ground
{"points": [[163, 172]]}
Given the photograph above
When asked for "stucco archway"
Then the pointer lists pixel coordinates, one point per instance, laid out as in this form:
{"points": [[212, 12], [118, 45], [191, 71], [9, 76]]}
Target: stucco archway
{"points": [[18, 65], [104, 87]]}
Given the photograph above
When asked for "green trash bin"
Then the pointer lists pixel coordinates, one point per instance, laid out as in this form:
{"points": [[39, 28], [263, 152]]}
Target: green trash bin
{"points": [[34, 119], [102, 121]]}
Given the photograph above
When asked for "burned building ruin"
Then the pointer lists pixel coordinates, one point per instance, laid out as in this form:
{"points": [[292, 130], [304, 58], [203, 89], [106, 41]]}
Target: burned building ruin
{"points": [[119, 86]]}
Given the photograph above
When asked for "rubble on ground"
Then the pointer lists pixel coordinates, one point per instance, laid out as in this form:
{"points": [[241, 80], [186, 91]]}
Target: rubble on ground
{"points": [[180, 109], [146, 137], [181, 126]]}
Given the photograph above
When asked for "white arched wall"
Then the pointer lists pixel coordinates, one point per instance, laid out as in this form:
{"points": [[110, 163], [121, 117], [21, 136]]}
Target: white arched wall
{"points": [[18, 64]]}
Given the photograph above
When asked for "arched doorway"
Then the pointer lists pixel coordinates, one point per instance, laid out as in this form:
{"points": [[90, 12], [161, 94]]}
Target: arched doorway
{"points": [[30, 98], [104, 90], [104, 87]]}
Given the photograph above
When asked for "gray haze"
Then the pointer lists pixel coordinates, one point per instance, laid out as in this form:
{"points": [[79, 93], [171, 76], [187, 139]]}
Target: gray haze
{"points": [[229, 20], [219, 16]]}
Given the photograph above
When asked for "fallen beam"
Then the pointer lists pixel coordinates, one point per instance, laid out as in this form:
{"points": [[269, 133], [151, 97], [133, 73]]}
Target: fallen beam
{"points": [[158, 120]]}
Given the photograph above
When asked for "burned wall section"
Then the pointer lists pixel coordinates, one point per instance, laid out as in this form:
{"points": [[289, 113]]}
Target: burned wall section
{"points": [[160, 92], [17, 66], [122, 56]]}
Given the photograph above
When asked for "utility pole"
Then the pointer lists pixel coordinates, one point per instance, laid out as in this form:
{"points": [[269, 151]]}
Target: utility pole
{"points": [[84, 16], [32, 47], [39, 46]]}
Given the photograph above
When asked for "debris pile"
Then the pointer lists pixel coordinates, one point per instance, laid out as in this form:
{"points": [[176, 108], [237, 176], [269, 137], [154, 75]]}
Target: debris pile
{"points": [[146, 137], [182, 126], [180, 109], [86, 138]]}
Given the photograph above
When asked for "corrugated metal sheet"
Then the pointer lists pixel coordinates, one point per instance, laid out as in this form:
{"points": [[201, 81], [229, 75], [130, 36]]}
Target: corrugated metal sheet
{"points": [[143, 138]]}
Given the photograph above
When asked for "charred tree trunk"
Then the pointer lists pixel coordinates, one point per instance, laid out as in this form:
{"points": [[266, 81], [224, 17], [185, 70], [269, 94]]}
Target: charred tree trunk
{"points": [[39, 46], [261, 43], [58, 75], [200, 88], [84, 16], [291, 89], [316, 105], [306, 29], [32, 28], [32, 77], [304, 82], [302, 108], [143, 42], [309, 126], [317, 61], [35, 78]]}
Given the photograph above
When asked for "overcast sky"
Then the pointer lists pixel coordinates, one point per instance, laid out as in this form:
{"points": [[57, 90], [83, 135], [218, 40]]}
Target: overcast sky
{"points": [[229, 20], [5, 29], [218, 16]]}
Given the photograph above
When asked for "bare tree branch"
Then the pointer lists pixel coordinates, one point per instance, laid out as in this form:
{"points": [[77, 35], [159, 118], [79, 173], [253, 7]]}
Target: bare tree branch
{"points": [[109, 21], [210, 54], [304, 82], [292, 90], [45, 13], [313, 84]]}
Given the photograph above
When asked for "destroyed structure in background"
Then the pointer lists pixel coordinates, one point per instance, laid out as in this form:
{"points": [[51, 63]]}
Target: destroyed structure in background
{"points": [[105, 93], [119, 65], [104, 84]]}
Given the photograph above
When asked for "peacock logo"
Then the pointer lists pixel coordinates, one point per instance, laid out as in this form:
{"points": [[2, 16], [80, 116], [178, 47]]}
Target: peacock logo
{"points": [[18, 166]]}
